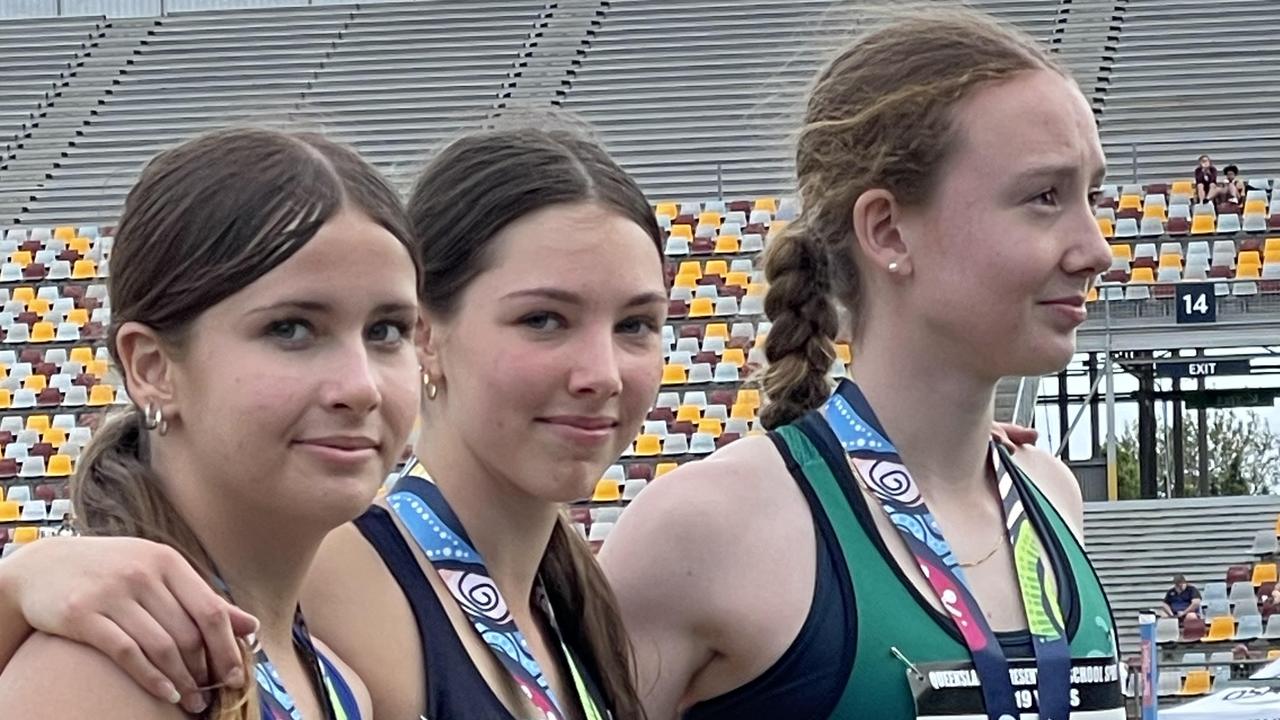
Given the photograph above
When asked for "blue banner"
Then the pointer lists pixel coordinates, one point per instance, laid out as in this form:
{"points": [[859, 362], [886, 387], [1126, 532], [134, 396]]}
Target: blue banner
{"points": [[1150, 669]]}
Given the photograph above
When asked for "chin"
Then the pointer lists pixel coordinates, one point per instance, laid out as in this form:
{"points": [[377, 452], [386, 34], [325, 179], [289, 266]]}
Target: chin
{"points": [[1047, 356]]}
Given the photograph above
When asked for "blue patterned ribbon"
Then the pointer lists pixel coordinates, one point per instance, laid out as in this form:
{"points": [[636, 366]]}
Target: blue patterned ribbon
{"points": [[875, 461]]}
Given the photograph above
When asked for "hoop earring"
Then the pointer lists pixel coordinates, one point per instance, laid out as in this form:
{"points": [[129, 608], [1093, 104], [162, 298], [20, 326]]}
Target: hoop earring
{"points": [[153, 418], [432, 389]]}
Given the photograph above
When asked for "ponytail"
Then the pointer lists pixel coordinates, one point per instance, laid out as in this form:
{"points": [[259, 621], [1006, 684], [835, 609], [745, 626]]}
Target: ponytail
{"points": [[115, 492], [587, 613], [800, 346]]}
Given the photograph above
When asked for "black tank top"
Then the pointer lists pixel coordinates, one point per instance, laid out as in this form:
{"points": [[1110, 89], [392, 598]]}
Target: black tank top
{"points": [[455, 688], [807, 681]]}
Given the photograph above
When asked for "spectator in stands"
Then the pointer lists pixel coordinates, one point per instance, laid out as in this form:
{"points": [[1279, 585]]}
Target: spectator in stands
{"points": [[263, 295], [1181, 601], [1207, 187], [1235, 189], [739, 576]]}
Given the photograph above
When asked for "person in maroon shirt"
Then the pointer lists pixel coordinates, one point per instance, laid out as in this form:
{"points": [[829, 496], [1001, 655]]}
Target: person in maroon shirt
{"points": [[1206, 180]]}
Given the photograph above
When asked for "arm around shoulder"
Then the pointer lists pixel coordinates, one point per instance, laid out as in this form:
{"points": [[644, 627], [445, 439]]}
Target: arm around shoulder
{"points": [[51, 678]]}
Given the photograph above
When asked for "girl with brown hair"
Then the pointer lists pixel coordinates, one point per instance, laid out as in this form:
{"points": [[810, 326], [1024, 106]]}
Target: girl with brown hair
{"points": [[876, 555], [273, 377]]}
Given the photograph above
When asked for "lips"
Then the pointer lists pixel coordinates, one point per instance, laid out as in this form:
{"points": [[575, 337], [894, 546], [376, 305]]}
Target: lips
{"points": [[347, 443], [582, 422]]}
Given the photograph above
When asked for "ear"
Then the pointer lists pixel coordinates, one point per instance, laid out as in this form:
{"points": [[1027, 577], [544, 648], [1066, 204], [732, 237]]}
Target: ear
{"points": [[430, 331], [878, 226], [148, 368]]}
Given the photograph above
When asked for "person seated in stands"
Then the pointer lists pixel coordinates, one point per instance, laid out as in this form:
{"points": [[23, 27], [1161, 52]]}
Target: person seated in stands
{"points": [[1234, 185], [1207, 187], [1182, 600]]}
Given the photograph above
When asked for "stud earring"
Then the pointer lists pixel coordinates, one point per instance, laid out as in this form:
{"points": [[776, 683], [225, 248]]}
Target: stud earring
{"points": [[893, 267]]}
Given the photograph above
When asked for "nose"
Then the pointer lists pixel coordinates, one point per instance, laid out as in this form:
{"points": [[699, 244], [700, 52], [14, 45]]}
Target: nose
{"points": [[594, 365], [352, 383], [1089, 253]]}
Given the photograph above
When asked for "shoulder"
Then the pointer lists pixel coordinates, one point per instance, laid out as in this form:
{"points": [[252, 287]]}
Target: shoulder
{"points": [[1057, 482], [101, 690], [707, 528], [358, 689]]}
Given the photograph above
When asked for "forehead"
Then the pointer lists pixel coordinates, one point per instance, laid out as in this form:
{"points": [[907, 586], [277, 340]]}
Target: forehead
{"points": [[1035, 118], [575, 244]]}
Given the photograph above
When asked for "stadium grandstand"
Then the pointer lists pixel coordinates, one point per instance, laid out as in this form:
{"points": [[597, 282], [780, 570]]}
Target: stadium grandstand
{"points": [[696, 98]]}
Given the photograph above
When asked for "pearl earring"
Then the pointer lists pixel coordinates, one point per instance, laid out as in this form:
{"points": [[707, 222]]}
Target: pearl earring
{"points": [[893, 267]]}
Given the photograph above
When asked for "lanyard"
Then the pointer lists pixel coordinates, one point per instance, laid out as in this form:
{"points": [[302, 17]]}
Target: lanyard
{"points": [[424, 512], [876, 463]]}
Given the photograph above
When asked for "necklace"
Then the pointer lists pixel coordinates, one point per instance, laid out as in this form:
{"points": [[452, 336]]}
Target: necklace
{"points": [[975, 563]]}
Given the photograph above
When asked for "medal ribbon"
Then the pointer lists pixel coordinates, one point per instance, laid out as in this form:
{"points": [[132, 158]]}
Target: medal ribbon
{"points": [[875, 461]]}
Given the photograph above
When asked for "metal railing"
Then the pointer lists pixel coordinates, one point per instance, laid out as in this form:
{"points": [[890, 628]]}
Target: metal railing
{"points": [[1132, 149]]}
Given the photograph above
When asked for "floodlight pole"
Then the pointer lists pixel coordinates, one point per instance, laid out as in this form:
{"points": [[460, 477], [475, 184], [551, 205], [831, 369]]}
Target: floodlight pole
{"points": [[1113, 483]]}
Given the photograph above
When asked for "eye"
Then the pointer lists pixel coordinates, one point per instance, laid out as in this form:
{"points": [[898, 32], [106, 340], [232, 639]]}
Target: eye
{"points": [[542, 321], [1048, 197], [1095, 196], [388, 332], [638, 326], [291, 330]]}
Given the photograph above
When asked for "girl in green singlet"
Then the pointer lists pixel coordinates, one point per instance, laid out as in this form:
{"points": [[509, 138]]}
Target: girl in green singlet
{"points": [[875, 556]]}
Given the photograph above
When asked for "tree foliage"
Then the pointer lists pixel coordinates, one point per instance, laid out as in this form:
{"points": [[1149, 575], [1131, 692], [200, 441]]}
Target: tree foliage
{"points": [[1244, 456]]}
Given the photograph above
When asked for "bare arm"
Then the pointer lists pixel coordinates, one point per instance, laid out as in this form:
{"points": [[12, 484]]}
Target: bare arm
{"points": [[101, 690], [139, 603]]}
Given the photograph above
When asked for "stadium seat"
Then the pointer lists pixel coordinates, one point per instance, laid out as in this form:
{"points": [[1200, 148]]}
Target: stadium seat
{"points": [[26, 534], [1151, 227], [84, 270], [607, 490], [10, 511], [1198, 682], [103, 395], [43, 332], [1228, 224], [1250, 627], [1126, 228], [1220, 628], [632, 489], [1182, 187], [59, 466], [1107, 227], [1166, 630], [675, 444], [1202, 225], [1264, 543], [1272, 631], [648, 445], [1263, 572], [59, 509]]}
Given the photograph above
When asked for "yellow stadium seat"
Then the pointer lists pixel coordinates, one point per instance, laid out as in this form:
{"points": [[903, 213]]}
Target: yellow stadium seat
{"points": [[54, 436], [6, 398], [1155, 211], [844, 353], [1106, 227], [716, 268], [777, 226], [35, 382], [648, 445], [25, 534], [64, 233], [82, 355], [1093, 295], [10, 511], [84, 270], [97, 368], [1203, 225], [606, 491], [103, 395], [742, 411], [21, 258], [671, 210], [702, 307], [1273, 245], [734, 356], [728, 245], [710, 426], [717, 330], [688, 282], [749, 396], [81, 245], [1183, 187], [1170, 261], [767, 203], [1264, 573], [39, 306], [1122, 250], [43, 332], [737, 279], [1249, 257], [1142, 275], [59, 466], [663, 468], [709, 217], [688, 413], [1130, 202], [78, 316], [1221, 628], [1198, 682], [25, 294], [756, 289], [1255, 207], [692, 268], [39, 423], [682, 231], [671, 375], [1271, 257], [1273, 654], [1248, 272]]}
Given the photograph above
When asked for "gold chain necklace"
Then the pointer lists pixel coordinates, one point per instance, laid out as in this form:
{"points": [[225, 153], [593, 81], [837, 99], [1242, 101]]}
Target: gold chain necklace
{"points": [[999, 543]]}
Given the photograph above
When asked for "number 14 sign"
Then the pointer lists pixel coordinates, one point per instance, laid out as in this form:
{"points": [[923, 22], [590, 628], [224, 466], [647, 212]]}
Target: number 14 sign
{"points": [[1197, 303]]}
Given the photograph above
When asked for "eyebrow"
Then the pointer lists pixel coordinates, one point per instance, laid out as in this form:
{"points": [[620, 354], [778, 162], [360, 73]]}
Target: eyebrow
{"points": [[1060, 170], [320, 307], [565, 296]]}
